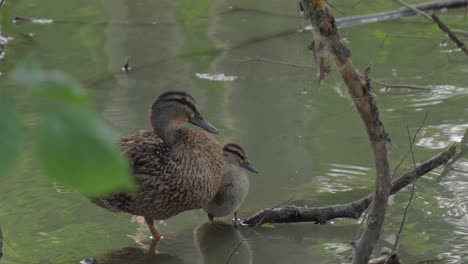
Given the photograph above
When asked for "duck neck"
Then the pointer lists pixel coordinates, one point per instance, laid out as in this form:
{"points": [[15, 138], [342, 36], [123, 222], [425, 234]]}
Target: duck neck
{"points": [[165, 127]]}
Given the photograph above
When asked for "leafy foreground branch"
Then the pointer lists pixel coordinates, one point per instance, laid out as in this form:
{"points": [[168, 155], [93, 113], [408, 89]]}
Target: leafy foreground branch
{"points": [[320, 215]]}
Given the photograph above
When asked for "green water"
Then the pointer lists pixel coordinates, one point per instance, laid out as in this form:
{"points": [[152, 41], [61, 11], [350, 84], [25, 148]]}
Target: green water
{"points": [[309, 145]]}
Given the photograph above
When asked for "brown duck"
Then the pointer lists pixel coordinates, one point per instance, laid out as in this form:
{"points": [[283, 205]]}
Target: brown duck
{"points": [[177, 168]]}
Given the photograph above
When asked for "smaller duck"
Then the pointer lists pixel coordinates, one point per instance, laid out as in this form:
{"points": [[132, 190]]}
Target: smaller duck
{"points": [[235, 184]]}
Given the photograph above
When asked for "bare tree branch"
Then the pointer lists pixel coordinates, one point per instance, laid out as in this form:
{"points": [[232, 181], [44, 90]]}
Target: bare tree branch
{"points": [[416, 10], [411, 146], [401, 86], [320, 215], [278, 62], [384, 84], [411, 142], [449, 32], [441, 25], [325, 33]]}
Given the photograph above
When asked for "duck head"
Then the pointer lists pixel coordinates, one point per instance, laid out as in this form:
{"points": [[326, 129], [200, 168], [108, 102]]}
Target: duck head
{"points": [[235, 154], [171, 110]]}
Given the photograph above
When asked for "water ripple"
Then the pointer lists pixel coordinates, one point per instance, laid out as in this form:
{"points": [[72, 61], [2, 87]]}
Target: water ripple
{"points": [[438, 137], [339, 176], [438, 94]]}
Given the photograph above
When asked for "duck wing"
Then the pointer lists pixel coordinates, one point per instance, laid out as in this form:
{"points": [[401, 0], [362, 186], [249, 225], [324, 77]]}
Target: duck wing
{"points": [[147, 154]]}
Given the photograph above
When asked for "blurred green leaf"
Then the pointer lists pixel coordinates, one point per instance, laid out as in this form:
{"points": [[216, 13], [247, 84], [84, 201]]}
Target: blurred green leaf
{"points": [[11, 132], [61, 90], [50, 84], [75, 148], [73, 145]]}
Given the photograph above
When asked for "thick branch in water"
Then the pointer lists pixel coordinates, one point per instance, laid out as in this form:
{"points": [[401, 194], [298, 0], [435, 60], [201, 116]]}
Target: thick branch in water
{"points": [[320, 215]]}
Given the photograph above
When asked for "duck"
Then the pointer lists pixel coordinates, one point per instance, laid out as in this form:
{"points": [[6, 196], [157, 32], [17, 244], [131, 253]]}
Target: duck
{"points": [[235, 185], [176, 168]]}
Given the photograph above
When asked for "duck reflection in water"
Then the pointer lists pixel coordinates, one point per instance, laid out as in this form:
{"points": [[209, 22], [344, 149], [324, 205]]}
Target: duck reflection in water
{"points": [[131, 255], [215, 244]]}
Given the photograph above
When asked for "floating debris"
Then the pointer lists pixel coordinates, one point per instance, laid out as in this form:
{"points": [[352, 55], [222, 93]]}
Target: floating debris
{"points": [[126, 68], [307, 28], [216, 77], [88, 261], [450, 50], [4, 40], [22, 20]]}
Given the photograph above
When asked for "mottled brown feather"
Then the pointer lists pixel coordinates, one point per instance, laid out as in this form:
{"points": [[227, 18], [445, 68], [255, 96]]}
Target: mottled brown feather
{"points": [[172, 179]]}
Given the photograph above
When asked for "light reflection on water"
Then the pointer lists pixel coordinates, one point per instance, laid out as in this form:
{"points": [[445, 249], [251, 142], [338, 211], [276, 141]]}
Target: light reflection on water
{"points": [[438, 94], [339, 175], [436, 137]]}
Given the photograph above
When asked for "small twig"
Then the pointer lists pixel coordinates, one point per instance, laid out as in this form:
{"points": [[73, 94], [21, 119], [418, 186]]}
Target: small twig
{"points": [[416, 10], [449, 32], [441, 25], [411, 145], [396, 86], [466, 11], [401, 86], [253, 229], [387, 36], [383, 41], [356, 3], [126, 67], [333, 7], [460, 32], [411, 142], [278, 62]]}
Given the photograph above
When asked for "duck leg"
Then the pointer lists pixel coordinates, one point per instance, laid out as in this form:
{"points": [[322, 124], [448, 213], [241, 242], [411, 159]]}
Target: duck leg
{"points": [[156, 235], [152, 247], [211, 217], [236, 220]]}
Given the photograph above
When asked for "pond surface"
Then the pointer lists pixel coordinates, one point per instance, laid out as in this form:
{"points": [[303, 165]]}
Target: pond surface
{"points": [[311, 145]]}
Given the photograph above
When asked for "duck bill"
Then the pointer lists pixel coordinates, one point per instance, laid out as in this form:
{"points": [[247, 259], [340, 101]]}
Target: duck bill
{"points": [[249, 166], [200, 122]]}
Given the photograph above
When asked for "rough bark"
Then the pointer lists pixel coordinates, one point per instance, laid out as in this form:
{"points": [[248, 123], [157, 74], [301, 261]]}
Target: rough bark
{"points": [[326, 32], [320, 215]]}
